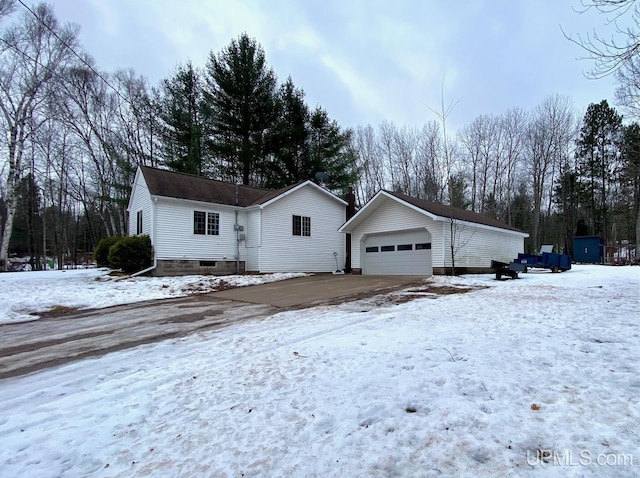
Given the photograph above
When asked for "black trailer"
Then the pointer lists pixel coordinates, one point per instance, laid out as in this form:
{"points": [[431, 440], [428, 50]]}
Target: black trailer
{"points": [[504, 269]]}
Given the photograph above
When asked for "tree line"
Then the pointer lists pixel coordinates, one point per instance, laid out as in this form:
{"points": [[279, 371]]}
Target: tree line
{"points": [[76, 134], [548, 171]]}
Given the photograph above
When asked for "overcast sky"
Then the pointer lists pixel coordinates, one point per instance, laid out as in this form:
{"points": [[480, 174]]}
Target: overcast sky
{"points": [[364, 61]]}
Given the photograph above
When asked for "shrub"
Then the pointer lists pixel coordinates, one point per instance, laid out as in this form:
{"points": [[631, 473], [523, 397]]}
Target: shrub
{"points": [[101, 254], [131, 254]]}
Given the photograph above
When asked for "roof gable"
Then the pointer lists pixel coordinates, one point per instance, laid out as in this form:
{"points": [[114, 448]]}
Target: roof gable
{"points": [[436, 211], [280, 193], [162, 182]]}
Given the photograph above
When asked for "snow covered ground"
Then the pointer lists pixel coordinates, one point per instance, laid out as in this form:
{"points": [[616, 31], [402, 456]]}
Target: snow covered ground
{"points": [[25, 294], [532, 377]]}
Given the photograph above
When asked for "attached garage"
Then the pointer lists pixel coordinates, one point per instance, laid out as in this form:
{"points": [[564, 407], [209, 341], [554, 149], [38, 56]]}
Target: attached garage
{"points": [[397, 253], [395, 234]]}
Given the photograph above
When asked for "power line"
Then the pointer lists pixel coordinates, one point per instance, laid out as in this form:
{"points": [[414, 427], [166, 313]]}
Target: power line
{"points": [[66, 45], [53, 72]]}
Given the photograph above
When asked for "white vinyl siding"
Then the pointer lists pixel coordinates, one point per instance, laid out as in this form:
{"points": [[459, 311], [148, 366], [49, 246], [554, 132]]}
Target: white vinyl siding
{"points": [[251, 247], [175, 233], [474, 245], [281, 251], [267, 243], [394, 217], [140, 201], [477, 247]]}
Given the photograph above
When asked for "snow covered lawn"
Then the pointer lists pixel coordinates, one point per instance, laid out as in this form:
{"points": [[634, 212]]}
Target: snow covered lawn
{"points": [[532, 377], [25, 294]]}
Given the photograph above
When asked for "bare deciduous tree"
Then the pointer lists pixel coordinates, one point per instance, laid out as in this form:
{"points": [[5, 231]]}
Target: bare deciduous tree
{"points": [[623, 44], [549, 135], [37, 47]]}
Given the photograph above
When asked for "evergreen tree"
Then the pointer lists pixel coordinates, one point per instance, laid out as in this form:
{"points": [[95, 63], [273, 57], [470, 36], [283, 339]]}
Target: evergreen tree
{"points": [[597, 153], [630, 178], [304, 143], [566, 197], [330, 151], [240, 97], [288, 138], [458, 191], [181, 115]]}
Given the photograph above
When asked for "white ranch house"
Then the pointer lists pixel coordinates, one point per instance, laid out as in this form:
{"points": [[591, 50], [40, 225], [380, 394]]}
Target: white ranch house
{"points": [[398, 234], [199, 225]]}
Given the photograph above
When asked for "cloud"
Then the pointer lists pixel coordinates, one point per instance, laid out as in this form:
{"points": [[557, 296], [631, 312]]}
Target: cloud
{"points": [[363, 61]]}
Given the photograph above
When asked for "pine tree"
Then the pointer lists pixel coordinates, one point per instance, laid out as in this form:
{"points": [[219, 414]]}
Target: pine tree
{"points": [[289, 139], [331, 152], [181, 115], [630, 177], [239, 93], [597, 152]]}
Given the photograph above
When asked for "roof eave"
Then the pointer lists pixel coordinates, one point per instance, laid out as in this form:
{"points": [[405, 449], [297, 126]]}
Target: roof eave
{"points": [[194, 202], [375, 202]]}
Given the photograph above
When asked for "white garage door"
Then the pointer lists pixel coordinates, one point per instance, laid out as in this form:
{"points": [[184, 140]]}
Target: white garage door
{"points": [[397, 253]]}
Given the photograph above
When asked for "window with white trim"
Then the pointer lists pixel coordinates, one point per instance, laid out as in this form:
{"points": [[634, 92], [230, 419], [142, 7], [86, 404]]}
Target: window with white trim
{"points": [[301, 226], [139, 222], [206, 223]]}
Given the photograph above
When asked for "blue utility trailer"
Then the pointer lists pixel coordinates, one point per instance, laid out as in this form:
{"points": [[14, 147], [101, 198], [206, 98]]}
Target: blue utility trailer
{"points": [[546, 260]]}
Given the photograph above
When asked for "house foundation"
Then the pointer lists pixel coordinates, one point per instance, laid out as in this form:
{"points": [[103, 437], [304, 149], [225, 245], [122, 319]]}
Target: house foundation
{"points": [[174, 267]]}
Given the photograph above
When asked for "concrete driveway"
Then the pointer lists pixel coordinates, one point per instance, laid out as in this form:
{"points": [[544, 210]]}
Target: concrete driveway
{"points": [[317, 289], [52, 341]]}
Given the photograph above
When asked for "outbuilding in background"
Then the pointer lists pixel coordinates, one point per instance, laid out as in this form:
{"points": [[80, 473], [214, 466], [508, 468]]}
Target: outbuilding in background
{"points": [[588, 249]]}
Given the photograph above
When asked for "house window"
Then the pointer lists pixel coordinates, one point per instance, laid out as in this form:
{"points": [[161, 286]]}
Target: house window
{"points": [[423, 246], [387, 248], [213, 224], [301, 226], [206, 223], [139, 222], [405, 247]]}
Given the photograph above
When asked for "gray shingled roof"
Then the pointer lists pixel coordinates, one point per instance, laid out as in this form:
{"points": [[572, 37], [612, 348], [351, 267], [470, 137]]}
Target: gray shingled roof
{"points": [[162, 182], [443, 210]]}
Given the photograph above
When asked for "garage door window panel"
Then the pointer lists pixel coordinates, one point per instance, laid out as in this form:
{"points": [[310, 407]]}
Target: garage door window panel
{"points": [[423, 246], [372, 249], [387, 248], [405, 247]]}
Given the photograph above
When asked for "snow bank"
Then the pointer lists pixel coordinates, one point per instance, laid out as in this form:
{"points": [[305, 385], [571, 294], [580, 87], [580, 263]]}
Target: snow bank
{"points": [[25, 294], [531, 377]]}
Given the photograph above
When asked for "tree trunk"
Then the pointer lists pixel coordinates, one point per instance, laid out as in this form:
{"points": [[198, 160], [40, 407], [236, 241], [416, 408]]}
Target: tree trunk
{"points": [[10, 202]]}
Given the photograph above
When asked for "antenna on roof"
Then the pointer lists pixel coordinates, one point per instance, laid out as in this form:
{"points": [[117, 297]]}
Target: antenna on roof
{"points": [[322, 178]]}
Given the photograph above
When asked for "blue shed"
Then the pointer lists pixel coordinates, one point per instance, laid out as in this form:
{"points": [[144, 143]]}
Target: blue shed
{"points": [[588, 249]]}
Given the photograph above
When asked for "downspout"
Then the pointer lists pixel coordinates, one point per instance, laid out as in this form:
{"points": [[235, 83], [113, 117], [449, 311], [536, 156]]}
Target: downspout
{"points": [[236, 227], [144, 271]]}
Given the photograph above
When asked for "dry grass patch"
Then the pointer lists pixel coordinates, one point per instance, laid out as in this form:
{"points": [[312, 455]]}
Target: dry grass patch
{"points": [[55, 311]]}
